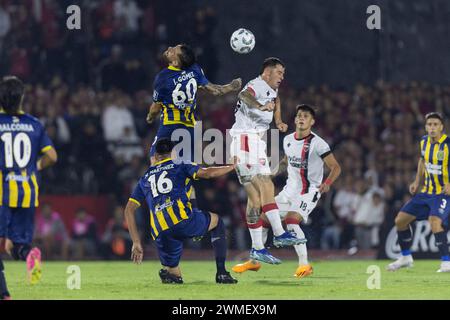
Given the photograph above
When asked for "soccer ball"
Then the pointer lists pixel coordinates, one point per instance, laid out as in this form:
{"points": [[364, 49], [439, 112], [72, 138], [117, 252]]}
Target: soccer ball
{"points": [[242, 41]]}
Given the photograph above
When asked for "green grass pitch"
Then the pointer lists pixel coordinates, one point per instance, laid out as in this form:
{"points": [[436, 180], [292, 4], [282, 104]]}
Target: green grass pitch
{"points": [[331, 280]]}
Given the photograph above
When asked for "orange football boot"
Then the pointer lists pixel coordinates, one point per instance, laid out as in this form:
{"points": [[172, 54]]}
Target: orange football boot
{"points": [[303, 271], [250, 265]]}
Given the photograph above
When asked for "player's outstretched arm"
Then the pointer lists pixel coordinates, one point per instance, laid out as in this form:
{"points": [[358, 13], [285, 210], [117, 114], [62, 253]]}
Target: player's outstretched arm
{"points": [[137, 253], [219, 90], [248, 97], [214, 172], [49, 158], [154, 111], [335, 171]]}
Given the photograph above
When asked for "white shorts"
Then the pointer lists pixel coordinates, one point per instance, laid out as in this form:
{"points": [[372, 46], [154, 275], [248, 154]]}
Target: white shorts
{"points": [[251, 151], [302, 204]]}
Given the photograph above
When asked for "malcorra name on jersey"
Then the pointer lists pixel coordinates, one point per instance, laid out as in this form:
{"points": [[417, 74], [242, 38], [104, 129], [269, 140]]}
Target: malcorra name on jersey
{"points": [[16, 127]]}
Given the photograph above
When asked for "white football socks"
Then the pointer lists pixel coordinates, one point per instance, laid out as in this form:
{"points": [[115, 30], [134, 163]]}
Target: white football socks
{"points": [[256, 235], [299, 248], [273, 216]]}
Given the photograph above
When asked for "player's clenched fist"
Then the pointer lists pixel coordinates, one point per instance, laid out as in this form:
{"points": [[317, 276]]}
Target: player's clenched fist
{"points": [[269, 106], [236, 84], [137, 253], [282, 126]]}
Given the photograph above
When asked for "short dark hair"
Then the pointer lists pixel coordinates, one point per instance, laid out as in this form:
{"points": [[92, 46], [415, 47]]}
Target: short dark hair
{"points": [[187, 56], [306, 108], [11, 92], [434, 115], [271, 62], [164, 146]]}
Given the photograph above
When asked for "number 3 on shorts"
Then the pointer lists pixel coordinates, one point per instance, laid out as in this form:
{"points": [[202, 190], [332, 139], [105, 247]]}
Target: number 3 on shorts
{"points": [[444, 204]]}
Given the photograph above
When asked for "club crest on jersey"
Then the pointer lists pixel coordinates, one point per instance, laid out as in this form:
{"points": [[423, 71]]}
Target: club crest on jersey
{"points": [[440, 155], [268, 93], [15, 119]]}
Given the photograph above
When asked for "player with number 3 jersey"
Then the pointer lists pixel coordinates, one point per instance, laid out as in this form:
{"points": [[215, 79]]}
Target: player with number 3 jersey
{"points": [[432, 203]]}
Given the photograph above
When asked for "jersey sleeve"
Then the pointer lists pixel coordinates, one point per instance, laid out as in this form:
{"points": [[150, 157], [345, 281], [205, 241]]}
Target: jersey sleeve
{"points": [[157, 86], [323, 149], [137, 196], [191, 169], [201, 78], [45, 143], [252, 87]]}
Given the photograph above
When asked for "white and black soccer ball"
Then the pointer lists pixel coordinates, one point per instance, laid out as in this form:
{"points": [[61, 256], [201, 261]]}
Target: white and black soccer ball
{"points": [[242, 41]]}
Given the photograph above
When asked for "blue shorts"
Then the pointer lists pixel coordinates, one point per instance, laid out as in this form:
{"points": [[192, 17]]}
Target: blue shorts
{"points": [[170, 241], [165, 131], [17, 224], [423, 205]]}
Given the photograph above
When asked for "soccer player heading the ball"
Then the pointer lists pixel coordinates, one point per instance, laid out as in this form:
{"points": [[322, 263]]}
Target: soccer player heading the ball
{"points": [[175, 93], [172, 218], [433, 200], [305, 154], [258, 104]]}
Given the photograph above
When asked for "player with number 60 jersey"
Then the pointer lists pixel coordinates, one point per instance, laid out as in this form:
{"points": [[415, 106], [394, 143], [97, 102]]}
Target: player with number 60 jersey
{"points": [[175, 95]]}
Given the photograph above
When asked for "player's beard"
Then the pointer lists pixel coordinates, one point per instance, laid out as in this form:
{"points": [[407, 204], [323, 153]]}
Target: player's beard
{"points": [[165, 58]]}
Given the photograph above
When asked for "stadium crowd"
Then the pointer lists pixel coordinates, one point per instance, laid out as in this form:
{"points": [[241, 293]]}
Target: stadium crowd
{"points": [[93, 94]]}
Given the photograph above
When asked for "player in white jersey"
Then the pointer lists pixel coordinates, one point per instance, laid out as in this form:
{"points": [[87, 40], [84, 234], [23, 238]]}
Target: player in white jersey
{"points": [[258, 104], [305, 154]]}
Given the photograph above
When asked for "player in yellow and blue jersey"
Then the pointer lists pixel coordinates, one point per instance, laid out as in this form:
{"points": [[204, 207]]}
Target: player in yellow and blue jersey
{"points": [[173, 219], [433, 201], [175, 99], [175, 95], [25, 149]]}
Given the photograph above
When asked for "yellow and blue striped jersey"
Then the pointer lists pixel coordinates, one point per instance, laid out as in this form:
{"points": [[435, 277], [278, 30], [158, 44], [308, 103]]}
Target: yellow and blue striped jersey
{"points": [[166, 188], [436, 160], [176, 90], [22, 140]]}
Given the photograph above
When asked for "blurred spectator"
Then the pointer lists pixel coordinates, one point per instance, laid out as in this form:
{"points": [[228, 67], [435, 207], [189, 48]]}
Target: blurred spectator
{"points": [[368, 218], [51, 234], [116, 241], [84, 235], [129, 11]]}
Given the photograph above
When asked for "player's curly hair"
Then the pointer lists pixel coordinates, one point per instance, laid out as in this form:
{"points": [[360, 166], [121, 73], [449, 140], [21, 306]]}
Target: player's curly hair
{"points": [[187, 56], [164, 146], [11, 92]]}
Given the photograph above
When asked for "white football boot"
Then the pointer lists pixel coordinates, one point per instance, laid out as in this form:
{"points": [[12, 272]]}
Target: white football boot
{"points": [[402, 262], [445, 266]]}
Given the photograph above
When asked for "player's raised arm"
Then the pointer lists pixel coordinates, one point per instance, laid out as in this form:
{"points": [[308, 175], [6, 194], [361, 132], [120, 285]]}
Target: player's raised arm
{"points": [[153, 112], [137, 253], [219, 90], [277, 116], [335, 171], [248, 97]]}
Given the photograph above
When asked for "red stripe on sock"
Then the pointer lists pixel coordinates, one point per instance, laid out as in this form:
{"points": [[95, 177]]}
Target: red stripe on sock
{"points": [[254, 225], [269, 207], [291, 221], [265, 224]]}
